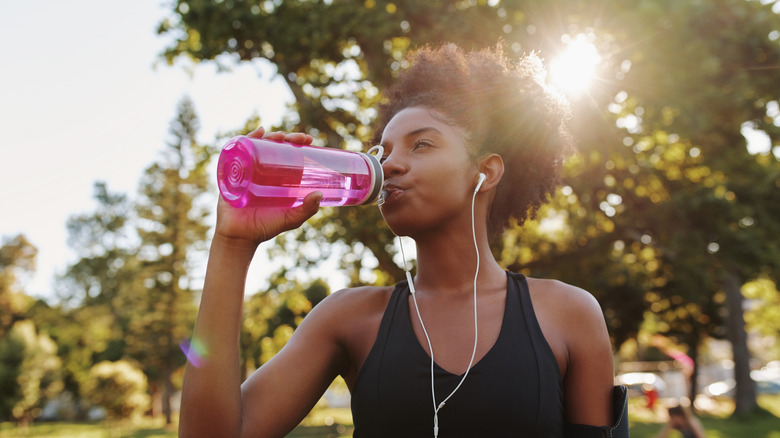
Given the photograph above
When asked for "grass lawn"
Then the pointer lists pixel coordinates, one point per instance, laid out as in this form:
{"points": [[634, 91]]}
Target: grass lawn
{"points": [[323, 423], [718, 423], [336, 423]]}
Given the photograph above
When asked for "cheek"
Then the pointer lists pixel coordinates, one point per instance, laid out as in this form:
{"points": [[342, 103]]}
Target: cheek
{"points": [[456, 173], [454, 183]]}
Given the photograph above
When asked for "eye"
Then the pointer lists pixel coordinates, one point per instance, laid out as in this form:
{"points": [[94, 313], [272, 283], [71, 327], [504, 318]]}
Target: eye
{"points": [[422, 143]]}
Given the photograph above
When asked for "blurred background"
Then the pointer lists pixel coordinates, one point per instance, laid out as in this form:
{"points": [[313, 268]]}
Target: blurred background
{"points": [[113, 115]]}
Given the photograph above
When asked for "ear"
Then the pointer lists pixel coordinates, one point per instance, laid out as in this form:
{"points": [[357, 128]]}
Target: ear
{"points": [[493, 168]]}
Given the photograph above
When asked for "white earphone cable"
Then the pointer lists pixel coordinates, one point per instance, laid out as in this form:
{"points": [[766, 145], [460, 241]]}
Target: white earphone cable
{"points": [[410, 281]]}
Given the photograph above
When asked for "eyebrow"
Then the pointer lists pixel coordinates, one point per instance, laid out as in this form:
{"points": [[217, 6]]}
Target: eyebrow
{"points": [[416, 132], [421, 131]]}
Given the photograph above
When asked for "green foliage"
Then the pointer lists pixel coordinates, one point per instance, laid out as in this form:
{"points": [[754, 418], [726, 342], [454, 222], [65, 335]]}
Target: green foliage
{"points": [[763, 314], [29, 374], [335, 56], [17, 259], [119, 387], [104, 245], [12, 349], [172, 228], [271, 316], [90, 323], [130, 294]]}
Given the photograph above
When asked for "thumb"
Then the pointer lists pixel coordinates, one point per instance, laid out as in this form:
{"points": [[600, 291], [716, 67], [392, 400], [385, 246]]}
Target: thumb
{"points": [[311, 203], [309, 207]]}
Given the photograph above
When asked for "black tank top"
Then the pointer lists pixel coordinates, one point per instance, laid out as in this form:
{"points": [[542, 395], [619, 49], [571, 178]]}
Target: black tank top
{"points": [[515, 390]]}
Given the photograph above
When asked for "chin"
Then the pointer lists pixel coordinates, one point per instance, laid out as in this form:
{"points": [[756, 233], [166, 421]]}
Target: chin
{"points": [[397, 229], [408, 227], [397, 226]]}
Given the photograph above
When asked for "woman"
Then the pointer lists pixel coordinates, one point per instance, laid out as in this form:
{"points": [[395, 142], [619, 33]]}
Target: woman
{"points": [[541, 356]]}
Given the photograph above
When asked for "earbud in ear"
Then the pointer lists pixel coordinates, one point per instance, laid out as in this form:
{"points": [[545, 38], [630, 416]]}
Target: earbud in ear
{"points": [[482, 179]]}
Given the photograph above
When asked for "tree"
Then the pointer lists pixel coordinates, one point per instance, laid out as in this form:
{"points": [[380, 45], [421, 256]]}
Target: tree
{"points": [[11, 357], [665, 207], [270, 316], [104, 244], [119, 387], [30, 372], [685, 141], [665, 175], [17, 259], [91, 322], [763, 314], [172, 229], [29, 367]]}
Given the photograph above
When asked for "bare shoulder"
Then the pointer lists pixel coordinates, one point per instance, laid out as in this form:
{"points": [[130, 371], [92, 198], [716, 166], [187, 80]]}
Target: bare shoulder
{"points": [[560, 297], [361, 295], [356, 301], [355, 316], [346, 311], [570, 318]]}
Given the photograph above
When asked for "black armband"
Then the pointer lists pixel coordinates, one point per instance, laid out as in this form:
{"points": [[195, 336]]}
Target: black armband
{"points": [[618, 430]]}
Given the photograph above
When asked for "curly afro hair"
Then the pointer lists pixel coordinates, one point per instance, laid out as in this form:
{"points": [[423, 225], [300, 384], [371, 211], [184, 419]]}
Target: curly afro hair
{"points": [[504, 107]]}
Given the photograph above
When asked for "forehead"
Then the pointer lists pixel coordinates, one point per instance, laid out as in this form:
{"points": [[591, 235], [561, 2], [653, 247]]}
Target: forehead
{"points": [[410, 121]]}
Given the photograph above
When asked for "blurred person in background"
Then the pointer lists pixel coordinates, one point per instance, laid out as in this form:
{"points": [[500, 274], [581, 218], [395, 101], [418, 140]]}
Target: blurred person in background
{"points": [[683, 421]]}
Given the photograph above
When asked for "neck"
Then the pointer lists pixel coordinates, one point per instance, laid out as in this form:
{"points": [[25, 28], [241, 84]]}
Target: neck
{"points": [[447, 261]]}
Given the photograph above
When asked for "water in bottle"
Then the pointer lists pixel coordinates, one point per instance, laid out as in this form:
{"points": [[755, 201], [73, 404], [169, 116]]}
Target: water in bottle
{"points": [[254, 172]]}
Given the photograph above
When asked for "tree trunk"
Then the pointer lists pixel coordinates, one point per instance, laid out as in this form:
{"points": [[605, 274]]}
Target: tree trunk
{"points": [[694, 355], [745, 398], [156, 399], [167, 393]]}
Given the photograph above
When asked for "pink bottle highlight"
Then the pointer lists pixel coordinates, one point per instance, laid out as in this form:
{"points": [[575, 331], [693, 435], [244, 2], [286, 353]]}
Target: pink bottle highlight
{"points": [[254, 172]]}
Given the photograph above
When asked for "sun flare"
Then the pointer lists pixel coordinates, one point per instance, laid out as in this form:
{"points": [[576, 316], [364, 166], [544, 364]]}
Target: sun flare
{"points": [[574, 69]]}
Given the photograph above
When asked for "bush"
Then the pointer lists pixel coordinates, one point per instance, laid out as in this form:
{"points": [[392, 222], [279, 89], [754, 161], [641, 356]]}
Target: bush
{"points": [[118, 387], [29, 372]]}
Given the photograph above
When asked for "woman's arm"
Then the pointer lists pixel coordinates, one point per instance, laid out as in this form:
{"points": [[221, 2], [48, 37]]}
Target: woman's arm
{"points": [[589, 379], [574, 327], [211, 394], [282, 391], [211, 397]]}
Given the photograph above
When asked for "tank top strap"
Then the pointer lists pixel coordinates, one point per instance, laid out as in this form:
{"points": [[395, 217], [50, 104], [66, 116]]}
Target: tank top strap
{"points": [[393, 306], [375, 359], [550, 394], [523, 292]]}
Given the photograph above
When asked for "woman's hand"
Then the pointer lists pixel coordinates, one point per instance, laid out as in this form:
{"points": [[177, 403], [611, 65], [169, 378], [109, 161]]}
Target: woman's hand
{"points": [[295, 137], [253, 225]]}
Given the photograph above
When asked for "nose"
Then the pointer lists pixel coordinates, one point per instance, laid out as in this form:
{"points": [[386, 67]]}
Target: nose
{"points": [[392, 166]]}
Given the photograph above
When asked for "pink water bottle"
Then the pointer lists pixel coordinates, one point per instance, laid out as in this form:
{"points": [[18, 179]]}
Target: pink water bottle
{"points": [[254, 172]]}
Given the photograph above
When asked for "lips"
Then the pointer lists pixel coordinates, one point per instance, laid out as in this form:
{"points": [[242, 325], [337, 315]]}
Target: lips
{"points": [[390, 192]]}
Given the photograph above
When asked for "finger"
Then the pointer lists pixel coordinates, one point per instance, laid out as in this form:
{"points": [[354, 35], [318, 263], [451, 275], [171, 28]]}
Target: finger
{"points": [[312, 201], [299, 138], [257, 133], [309, 207], [275, 136]]}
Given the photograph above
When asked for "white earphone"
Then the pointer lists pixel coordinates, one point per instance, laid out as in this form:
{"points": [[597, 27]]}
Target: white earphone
{"points": [[410, 281], [482, 179]]}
